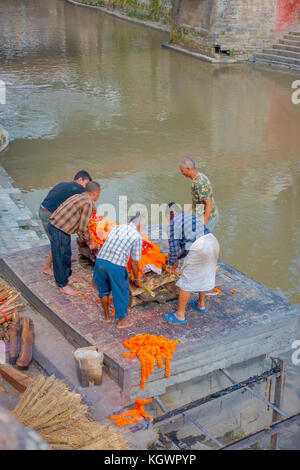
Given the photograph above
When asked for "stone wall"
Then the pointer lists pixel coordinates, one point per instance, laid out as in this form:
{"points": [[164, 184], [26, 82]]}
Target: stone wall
{"points": [[288, 13], [236, 27], [245, 25]]}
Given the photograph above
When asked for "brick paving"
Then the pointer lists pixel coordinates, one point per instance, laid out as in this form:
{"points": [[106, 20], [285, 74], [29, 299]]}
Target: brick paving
{"points": [[238, 326]]}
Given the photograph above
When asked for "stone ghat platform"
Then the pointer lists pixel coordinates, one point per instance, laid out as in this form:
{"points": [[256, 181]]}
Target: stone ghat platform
{"points": [[238, 326]]}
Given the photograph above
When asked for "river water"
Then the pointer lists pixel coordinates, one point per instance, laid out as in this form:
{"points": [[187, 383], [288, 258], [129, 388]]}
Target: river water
{"points": [[87, 90]]}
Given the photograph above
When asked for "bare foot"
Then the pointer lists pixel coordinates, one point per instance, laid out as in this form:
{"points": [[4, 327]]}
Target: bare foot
{"points": [[124, 323], [73, 260], [73, 279], [68, 291], [107, 320], [48, 271]]}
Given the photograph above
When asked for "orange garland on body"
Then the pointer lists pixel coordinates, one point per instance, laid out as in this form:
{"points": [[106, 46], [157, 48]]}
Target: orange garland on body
{"points": [[149, 349], [131, 416], [100, 227]]}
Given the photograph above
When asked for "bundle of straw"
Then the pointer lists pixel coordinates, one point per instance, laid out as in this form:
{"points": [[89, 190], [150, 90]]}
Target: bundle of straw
{"points": [[60, 417]]}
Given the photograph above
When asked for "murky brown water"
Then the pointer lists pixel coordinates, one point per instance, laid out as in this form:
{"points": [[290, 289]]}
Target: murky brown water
{"points": [[88, 90]]}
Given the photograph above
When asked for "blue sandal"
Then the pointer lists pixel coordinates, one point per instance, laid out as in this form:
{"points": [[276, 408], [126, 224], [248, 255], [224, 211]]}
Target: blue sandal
{"points": [[170, 317], [195, 305]]}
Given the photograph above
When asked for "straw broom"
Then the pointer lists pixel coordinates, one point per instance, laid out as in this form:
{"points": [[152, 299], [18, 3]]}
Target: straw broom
{"points": [[60, 417]]}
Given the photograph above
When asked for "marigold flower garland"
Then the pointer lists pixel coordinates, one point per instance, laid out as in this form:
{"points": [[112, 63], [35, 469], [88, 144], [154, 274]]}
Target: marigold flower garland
{"points": [[149, 349], [131, 416]]}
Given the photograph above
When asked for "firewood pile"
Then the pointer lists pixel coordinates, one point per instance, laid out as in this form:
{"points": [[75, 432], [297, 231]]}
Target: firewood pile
{"points": [[156, 288], [9, 305]]}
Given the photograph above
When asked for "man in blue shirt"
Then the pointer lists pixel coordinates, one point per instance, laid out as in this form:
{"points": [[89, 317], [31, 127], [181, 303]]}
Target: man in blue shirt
{"points": [[191, 240], [56, 196]]}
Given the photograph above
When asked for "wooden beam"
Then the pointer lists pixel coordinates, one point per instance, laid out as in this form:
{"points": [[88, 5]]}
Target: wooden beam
{"points": [[16, 378]]}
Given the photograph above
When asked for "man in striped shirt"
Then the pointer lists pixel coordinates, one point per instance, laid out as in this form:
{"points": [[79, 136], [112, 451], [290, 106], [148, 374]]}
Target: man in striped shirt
{"points": [[72, 216], [111, 275]]}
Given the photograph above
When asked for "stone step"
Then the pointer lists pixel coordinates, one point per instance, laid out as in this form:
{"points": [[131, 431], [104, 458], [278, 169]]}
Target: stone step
{"points": [[295, 33], [284, 47], [276, 58], [289, 42], [289, 37], [284, 53], [280, 64]]}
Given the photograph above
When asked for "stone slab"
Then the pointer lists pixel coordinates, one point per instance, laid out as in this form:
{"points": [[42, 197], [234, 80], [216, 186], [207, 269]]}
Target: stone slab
{"points": [[237, 327]]}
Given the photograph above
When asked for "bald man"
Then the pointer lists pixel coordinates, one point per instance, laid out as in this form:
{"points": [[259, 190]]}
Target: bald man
{"points": [[203, 202]]}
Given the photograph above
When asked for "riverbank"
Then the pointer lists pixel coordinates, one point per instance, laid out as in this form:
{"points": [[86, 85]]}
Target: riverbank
{"points": [[18, 227], [131, 14]]}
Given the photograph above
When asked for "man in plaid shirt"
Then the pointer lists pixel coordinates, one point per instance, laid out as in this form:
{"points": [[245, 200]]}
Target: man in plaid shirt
{"points": [[72, 216], [182, 231], [111, 275]]}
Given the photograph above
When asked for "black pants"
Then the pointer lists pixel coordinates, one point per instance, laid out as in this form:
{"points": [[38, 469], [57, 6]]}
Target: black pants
{"points": [[61, 254]]}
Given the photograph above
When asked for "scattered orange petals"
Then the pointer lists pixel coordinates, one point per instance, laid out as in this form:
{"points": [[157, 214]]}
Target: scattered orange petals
{"points": [[79, 293], [113, 312], [234, 290], [151, 349], [131, 416], [216, 289], [85, 294], [97, 299]]}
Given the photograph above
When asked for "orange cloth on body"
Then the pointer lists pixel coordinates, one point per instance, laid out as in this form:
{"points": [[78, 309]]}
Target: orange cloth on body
{"points": [[99, 229]]}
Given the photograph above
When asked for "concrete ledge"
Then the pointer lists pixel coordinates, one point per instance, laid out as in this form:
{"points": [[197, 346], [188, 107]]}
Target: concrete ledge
{"points": [[198, 55]]}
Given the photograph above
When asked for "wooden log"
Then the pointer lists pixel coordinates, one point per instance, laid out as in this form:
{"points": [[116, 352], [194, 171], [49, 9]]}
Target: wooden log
{"points": [[12, 298], [17, 379], [27, 342], [9, 312], [4, 294], [15, 337], [153, 281]]}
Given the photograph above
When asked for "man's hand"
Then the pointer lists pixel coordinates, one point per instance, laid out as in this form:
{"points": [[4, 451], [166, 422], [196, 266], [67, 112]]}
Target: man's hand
{"points": [[138, 282], [172, 269], [208, 208], [93, 246]]}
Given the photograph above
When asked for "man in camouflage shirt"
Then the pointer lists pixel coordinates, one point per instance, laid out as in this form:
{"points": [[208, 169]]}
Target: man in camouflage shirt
{"points": [[203, 203]]}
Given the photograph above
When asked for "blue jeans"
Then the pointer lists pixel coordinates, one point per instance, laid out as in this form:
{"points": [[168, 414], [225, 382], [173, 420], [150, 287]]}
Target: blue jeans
{"points": [[109, 278]]}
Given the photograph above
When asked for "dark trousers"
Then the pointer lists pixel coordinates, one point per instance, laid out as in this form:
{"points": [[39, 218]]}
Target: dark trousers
{"points": [[61, 254]]}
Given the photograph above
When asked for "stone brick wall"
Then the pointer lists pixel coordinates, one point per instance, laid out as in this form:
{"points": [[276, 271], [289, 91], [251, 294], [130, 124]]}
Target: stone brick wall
{"points": [[240, 27], [288, 13], [244, 25]]}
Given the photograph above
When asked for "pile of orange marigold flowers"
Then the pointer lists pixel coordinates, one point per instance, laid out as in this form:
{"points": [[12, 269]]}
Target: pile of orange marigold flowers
{"points": [[131, 416], [149, 349]]}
